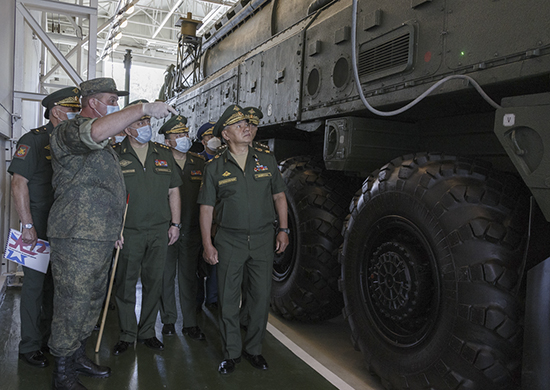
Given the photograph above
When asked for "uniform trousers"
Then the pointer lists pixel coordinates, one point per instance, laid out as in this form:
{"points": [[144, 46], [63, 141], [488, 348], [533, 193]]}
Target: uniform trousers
{"points": [[240, 254], [79, 269], [36, 307], [181, 258], [143, 254]]}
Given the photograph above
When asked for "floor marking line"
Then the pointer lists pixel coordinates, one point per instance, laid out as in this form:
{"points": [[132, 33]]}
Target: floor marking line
{"points": [[308, 359]]}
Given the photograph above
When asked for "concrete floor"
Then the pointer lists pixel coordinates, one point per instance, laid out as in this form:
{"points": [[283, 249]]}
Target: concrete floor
{"points": [[301, 356]]}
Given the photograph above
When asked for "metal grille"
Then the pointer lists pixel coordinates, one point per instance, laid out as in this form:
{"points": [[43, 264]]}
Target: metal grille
{"points": [[388, 55]]}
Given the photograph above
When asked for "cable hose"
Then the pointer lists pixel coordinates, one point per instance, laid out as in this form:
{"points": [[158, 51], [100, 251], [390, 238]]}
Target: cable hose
{"points": [[419, 98]]}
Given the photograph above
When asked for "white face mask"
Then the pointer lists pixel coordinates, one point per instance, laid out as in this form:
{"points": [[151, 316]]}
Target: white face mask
{"points": [[110, 109], [145, 133], [71, 115], [183, 144], [119, 138], [213, 143]]}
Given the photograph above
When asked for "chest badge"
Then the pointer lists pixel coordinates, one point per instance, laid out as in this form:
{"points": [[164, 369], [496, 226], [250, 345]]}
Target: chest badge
{"points": [[259, 167], [124, 163], [196, 173], [161, 163], [226, 173]]}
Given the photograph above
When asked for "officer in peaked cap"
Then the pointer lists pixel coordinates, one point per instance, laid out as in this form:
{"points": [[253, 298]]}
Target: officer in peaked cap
{"points": [[182, 257], [33, 194], [150, 173], [245, 188], [254, 115], [231, 115], [66, 97], [210, 143], [85, 221]]}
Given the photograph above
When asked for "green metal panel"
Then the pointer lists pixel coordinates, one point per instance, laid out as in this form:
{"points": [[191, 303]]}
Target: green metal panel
{"points": [[523, 128]]}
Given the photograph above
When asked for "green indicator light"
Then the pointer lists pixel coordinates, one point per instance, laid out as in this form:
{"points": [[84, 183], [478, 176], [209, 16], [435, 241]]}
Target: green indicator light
{"points": [[462, 53]]}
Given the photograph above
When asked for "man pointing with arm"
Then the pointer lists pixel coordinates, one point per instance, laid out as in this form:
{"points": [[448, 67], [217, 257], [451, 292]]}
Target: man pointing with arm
{"points": [[85, 221]]}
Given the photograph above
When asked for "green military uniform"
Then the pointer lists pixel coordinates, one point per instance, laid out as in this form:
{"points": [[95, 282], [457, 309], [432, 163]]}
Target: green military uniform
{"points": [[84, 223], [145, 235], [183, 255], [32, 160], [245, 213]]}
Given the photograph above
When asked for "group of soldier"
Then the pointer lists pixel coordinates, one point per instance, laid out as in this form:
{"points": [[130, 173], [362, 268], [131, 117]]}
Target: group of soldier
{"points": [[158, 205]]}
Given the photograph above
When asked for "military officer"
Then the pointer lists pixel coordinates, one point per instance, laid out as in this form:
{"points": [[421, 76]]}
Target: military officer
{"points": [[182, 257], [210, 143], [32, 194], [152, 223], [245, 187], [85, 222], [208, 289], [254, 114]]}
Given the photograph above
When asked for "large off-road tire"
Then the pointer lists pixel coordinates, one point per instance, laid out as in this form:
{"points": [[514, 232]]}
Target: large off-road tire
{"points": [[305, 277], [431, 263]]}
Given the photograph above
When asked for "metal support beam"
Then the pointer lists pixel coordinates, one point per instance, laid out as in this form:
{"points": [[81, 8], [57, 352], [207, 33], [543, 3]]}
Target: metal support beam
{"points": [[78, 47], [170, 13], [63, 8], [35, 26], [92, 53]]}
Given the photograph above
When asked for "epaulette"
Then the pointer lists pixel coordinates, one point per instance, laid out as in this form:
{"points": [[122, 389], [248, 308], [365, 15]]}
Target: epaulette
{"points": [[196, 155], [161, 145], [221, 149], [39, 130], [260, 149], [218, 155]]}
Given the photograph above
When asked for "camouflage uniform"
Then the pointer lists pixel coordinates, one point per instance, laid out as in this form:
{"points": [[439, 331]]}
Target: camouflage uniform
{"points": [[84, 223]]}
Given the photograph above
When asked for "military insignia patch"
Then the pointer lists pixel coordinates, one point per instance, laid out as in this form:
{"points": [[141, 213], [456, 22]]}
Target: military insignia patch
{"points": [[161, 163], [47, 147], [22, 151], [124, 163], [196, 173], [226, 173]]}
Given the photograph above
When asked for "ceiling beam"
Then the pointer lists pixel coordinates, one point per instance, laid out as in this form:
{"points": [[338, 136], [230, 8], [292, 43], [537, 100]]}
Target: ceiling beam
{"points": [[165, 20]]}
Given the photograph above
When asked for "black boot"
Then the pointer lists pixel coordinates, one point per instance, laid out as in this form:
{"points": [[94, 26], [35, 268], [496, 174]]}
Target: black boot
{"points": [[83, 365], [65, 376]]}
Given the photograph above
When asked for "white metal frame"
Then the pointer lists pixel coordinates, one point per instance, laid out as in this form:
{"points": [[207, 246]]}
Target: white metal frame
{"points": [[24, 17]]}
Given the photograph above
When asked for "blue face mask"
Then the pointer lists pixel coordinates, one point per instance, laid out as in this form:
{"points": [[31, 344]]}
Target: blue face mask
{"points": [[145, 134], [110, 109], [183, 144], [119, 138], [71, 115]]}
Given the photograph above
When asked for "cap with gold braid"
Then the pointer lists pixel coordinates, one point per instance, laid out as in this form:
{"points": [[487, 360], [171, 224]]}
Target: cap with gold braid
{"points": [[66, 97], [254, 114], [175, 125], [231, 115], [138, 102], [205, 129]]}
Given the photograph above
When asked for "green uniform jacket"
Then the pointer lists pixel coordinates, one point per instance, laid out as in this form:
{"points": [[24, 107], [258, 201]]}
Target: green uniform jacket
{"points": [[245, 198], [32, 160], [148, 185], [89, 188], [191, 176]]}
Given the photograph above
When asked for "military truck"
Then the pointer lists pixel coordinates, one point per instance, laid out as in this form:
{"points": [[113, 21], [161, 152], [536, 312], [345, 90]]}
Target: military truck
{"points": [[419, 218]]}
